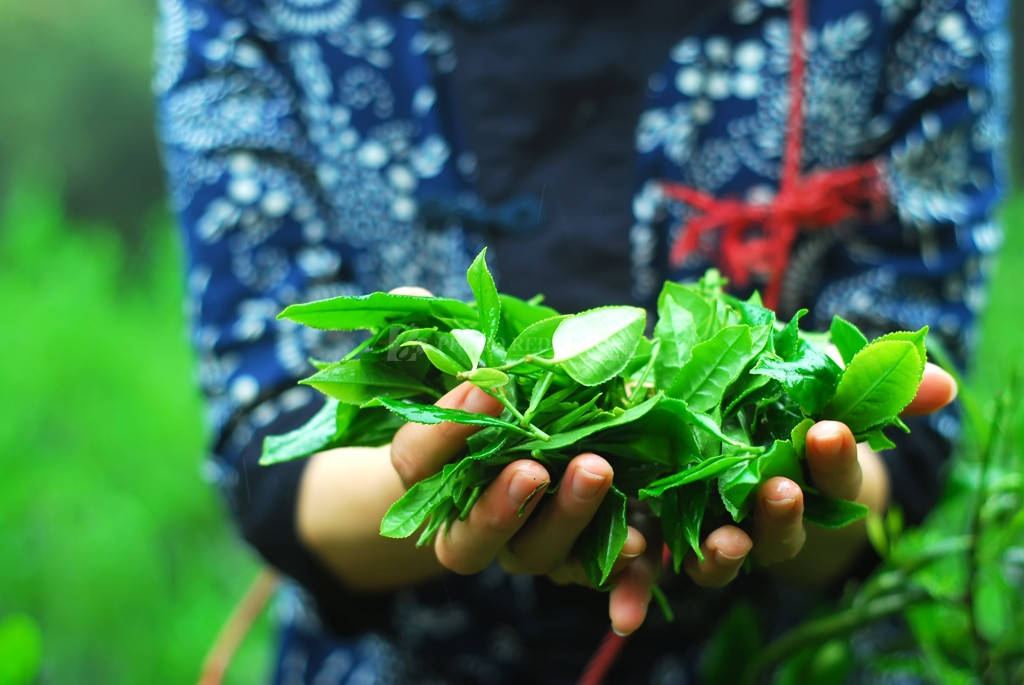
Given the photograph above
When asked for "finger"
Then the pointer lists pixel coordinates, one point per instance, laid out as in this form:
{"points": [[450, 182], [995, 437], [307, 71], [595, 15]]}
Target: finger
{"points": [[778, 521], [832, 460], [938, 388], [572, 570], [547, 541], [420, 450], [472, 544], [631, 594], [724, 551]]}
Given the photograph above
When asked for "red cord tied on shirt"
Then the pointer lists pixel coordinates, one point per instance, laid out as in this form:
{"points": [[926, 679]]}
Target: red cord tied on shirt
{"points": [[804, 202], [756, 238]]}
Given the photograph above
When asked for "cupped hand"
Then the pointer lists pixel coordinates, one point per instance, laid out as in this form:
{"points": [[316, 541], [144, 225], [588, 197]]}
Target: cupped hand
{"points": [[838, 467], [509, 523]]}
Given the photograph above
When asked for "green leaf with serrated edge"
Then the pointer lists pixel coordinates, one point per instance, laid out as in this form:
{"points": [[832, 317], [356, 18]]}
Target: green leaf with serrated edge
{"points": [[877, 440], [358, 381], [748, 390], [433, 414], [830, 512], [699, 420], [472, 343], [484, 377], [314, 435], [798, 436], [703, 312], [607, 420], [376, 310], [517, 314], [677, 331], [574, 417], [787, 338], [752, 312], [489, 454], [705, 470], [534, 340], [411, 510], [595, 345], [847, 338], [440, 516], [915, 337], [681, 515], [487, 302], [876, 385], [737, 485], [601, 542], [441, 361], [809, 377], [658, 436], [713, 365]]}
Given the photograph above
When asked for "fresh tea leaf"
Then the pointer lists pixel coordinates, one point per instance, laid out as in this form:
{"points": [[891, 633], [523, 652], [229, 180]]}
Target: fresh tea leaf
{"points": [[488, 305], [713, 366], [877, 384], [847, 338], [314, 435], [358, 381], [411, 511], [376, 310], [681, 515], [601, 542], [830, 512], [433, 414], [472, 343], [440, 360], [595, 345]]}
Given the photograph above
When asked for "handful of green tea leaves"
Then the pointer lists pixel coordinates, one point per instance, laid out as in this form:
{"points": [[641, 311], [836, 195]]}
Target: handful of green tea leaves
{"points": [[692, 418]]}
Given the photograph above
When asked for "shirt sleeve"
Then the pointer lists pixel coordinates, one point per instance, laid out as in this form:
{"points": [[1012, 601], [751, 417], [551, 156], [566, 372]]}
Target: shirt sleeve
{"points": [[241, 182]]}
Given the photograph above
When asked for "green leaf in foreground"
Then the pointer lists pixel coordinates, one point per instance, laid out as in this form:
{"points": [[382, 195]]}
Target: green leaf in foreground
{"points": [[376, 310], [314, 435], [411, 511], [597, 344], [488, 304], [601, 542], [432, 414], [681, 514], [829, 512], [877, 384], [847, 338], [713, 365], [358, 381]]}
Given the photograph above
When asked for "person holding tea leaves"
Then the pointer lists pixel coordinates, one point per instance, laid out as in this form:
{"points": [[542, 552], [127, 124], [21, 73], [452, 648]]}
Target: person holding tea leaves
{"points": [[843, 158]]}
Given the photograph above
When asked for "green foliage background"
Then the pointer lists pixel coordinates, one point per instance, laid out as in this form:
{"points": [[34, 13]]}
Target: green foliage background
{"points": [[116, 563]]}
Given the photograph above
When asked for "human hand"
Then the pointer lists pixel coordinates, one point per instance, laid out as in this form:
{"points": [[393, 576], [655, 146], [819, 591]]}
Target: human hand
{"points": [[509, 523], [839, 468]]}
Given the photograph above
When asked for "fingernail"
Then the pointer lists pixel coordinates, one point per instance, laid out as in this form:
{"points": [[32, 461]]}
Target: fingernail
{"points": [[619, 632], [523, 489], [726, 559], [781, 502], [781, 508], [829, 441], [586, 485]]}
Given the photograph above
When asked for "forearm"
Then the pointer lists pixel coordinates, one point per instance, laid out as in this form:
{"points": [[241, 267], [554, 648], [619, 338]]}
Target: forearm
{"points": [[343, 496]]}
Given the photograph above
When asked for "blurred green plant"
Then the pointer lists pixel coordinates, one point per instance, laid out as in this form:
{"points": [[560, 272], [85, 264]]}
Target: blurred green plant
{"points": [[77, 106], [117, 557]]}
